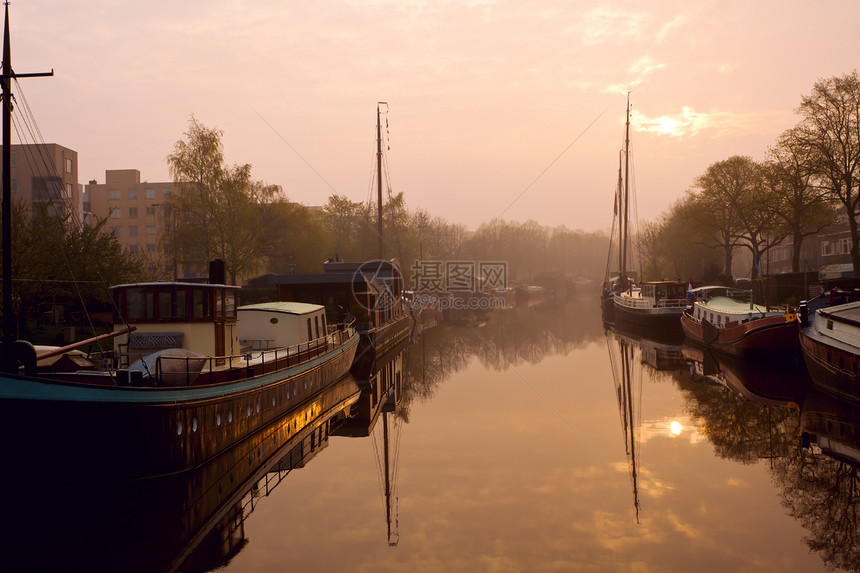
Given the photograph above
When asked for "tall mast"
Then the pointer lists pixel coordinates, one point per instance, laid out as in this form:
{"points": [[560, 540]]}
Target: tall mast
{"points": [[379, 176], [624, 223], [8, 363]]}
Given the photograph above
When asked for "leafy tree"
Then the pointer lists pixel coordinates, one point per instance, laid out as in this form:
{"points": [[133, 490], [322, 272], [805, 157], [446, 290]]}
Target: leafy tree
{"points": [[218, 211], [54, 261]]}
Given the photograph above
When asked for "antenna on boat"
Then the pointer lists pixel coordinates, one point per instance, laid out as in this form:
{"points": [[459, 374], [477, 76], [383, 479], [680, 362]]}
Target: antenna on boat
{"points": [[8, 361]]}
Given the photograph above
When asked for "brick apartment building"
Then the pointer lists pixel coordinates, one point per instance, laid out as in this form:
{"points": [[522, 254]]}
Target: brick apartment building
{"points": [[47, 173], [136, 215]]}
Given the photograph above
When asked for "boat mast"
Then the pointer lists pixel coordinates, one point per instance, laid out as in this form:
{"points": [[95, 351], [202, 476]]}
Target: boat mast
{"points": [[379, 175], [8, 362], [625, 238]]}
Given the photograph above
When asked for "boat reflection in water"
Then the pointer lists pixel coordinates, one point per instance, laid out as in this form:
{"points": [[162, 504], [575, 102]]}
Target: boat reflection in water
{"points": [[631, 356], [193, 521], [376, 414], [810, 439]]}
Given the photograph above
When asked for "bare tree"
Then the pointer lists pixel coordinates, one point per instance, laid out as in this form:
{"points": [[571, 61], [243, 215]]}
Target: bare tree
{"points": [[829, 135]]}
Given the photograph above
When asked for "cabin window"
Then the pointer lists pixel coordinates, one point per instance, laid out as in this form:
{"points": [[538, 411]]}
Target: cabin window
{"points": [[317, 325], [219, 303], [310, 333], [171, 304], [200, 304], [139, 304], [229, 303]]}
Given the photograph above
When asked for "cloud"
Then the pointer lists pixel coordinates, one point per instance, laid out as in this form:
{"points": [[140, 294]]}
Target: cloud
{"points": [[690, 123]]}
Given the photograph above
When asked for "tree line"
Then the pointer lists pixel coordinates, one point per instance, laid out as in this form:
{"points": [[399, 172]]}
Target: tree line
{"points": [[808, 180], [221, 212]]}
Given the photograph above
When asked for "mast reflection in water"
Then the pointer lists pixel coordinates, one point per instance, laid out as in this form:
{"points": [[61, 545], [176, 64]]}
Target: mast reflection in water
{"points": [[732, 466]]}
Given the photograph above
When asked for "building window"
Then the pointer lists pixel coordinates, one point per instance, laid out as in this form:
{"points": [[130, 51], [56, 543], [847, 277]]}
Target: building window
{"points": [[150, 248], [68, 189], [826, 248], [150, 193], [132, 193], [150, 229], [116, 231], [166, 192], [150, 211], [132, 231], [132, 212], [113, 193], [14, 185], [133, 248], [68, 164], [13, 160], [115, 213], [844, 246]]}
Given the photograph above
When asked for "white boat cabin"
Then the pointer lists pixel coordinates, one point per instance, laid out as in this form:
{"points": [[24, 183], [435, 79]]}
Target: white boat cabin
{"points": [[724, 306], [271, 325], [199, 317]]}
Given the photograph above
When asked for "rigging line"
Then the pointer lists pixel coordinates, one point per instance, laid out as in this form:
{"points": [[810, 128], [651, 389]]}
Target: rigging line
{"points": [[294, 151], [26, 119], [551, 163], [493, 348]]}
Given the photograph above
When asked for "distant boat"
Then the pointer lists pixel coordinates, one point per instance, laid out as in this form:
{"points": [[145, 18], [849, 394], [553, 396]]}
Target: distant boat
{"points": [[727, 320], [651, 305], [830, 340]]}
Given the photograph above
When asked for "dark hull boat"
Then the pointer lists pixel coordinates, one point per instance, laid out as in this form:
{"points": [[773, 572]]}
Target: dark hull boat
{"points": [[194, 521], [831, 348]]}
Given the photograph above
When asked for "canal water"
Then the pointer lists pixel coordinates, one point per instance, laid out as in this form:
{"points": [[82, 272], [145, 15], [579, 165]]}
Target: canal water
{"points": [[531, 440]]}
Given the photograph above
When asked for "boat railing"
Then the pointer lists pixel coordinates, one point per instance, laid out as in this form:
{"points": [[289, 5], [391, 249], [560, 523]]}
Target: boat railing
{"points": [[673, 303], [228, 368]]}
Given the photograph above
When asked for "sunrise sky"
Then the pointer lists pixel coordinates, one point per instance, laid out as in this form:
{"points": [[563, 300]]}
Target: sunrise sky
{"points": [[509, 109]]}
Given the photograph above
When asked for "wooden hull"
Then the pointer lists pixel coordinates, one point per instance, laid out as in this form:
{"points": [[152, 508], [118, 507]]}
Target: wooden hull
{"points": [[186, 519], [661, 319], [764, 335], [832, 365], [141, 432]]}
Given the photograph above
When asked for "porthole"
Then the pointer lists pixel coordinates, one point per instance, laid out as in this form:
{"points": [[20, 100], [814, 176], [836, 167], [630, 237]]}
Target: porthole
{"points": [[273, 320], [179, 428]]}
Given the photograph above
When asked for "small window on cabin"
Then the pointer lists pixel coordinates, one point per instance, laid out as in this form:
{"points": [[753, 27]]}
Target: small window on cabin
{"points": [[829, 325], [139, 304], [310, 333], [317, 325], [229, 303], [200, 304], [219, 302]]}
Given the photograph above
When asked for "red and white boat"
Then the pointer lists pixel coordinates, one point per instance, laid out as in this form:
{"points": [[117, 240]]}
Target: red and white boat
{"points": [[728, 321]]}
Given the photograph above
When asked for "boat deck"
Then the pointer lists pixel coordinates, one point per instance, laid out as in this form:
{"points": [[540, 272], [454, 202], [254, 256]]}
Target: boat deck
{"points": [[844, 313], [726, 305]]}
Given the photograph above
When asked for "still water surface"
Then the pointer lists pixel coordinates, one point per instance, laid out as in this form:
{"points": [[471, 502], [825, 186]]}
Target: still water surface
{"points": [[534, 441]]}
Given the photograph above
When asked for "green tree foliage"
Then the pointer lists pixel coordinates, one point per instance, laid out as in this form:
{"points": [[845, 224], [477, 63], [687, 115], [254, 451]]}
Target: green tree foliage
{"points": [[55, 262], [217, 211]]}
